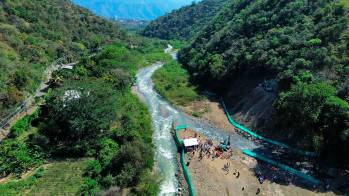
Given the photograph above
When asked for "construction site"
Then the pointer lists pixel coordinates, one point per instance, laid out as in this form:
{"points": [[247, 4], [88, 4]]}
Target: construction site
{"points": [[208, 167]]}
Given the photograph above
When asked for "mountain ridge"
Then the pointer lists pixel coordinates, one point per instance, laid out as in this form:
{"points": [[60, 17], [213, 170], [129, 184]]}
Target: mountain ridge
{"points": [[133, 9], [185, 22]]}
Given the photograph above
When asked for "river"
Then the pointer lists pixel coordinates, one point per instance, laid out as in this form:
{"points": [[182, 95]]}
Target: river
{"points": [[163, 115]]}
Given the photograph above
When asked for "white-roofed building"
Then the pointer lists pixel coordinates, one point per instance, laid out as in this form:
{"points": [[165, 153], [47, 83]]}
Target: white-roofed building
{"points": [[70, 67], [190, 143]]}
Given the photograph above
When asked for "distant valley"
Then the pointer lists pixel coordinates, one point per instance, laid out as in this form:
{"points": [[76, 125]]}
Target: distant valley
{"points": [[132, 9], [174, 97]]}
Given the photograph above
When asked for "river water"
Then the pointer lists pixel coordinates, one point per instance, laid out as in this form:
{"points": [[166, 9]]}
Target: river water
{"points": [[163, 115]]}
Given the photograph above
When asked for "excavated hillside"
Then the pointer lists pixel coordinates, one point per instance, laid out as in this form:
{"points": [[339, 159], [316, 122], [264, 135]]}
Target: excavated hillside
{"points": [[281, 65]]}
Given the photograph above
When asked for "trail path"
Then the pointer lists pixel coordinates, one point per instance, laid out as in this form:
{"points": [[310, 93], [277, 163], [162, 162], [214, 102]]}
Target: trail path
{"points": [[28, 106]]}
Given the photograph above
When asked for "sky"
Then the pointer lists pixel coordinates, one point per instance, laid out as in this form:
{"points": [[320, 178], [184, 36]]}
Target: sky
{"points": [[132, 9]]}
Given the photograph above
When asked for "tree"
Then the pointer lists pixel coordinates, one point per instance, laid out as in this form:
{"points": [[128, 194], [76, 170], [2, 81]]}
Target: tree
{"points": [[20, 78], [149, 185], [93, 169], [217, 68], [108, 148], [75, 118], [315, 112], [133, 158], [119, 78], [335, 126], [301, 107], [14, 95]]}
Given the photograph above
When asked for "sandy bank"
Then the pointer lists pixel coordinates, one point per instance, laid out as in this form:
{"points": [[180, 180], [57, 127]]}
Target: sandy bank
{"points": [[210, 110]]}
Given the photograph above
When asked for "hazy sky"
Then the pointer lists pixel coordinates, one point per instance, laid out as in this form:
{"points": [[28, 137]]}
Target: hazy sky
{"points": [[132, 9]]}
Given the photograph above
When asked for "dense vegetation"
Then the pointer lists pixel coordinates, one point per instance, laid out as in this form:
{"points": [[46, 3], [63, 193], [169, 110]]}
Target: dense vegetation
{"points": [[100, 117], [90, 112], [172, 82], [33, 33], [90, 126], [314, 112], [185, 22], [17, 155], [303, 45]]}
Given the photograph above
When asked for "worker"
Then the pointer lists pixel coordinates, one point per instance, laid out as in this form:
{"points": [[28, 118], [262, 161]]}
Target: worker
{"points": [[261, 179], [238, 175], [201, 154], [258, 191], [235, 171], [243, 188]]}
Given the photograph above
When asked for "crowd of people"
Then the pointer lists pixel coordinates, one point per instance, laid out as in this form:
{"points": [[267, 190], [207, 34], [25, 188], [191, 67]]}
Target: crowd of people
{"points": [[207, 149]]}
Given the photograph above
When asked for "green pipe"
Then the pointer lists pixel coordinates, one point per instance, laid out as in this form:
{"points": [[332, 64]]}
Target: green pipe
{"points": [[255, 135], [282, 166], [186, 173]]}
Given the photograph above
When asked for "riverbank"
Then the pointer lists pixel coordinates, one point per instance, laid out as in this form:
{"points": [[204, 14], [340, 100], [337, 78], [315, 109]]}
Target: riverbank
{"points": [[172, 82], [210, 110]]}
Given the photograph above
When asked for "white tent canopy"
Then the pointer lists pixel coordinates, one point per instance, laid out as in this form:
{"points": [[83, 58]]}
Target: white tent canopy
{"points": [[191, 142]]}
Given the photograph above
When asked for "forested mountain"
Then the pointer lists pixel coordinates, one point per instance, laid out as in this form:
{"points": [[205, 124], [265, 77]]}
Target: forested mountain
{"points": [[33, 33], [303, 45], [132, 9], [94, 133], [184, 22]]}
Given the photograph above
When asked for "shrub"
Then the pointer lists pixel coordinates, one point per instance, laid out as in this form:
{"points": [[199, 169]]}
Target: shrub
{"points": [[93, 169], [108, 149], [108, 181], [16, 157], [20, 126], [20, 78], [90, 187], [15, 96]]}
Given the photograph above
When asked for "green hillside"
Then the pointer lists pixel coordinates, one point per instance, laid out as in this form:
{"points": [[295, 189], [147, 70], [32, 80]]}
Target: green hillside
{"points": [[33, 33], [89, 133], [303, 45], [185, 22], [89, 113]]}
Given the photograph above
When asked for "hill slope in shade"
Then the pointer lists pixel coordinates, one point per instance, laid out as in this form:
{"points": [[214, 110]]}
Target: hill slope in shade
{"points": [[132, 9], [184, 22]]}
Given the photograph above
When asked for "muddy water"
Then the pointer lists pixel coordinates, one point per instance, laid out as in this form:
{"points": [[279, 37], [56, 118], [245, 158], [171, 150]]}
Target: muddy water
{"points": [[163, 115]]}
